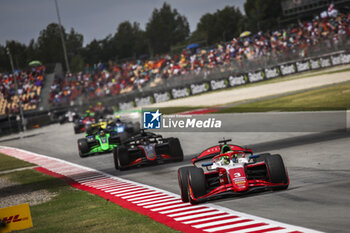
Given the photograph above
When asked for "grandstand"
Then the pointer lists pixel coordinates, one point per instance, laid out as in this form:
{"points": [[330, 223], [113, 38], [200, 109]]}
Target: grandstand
{"points": [[309, 38], [30, 84], [243, 54]]}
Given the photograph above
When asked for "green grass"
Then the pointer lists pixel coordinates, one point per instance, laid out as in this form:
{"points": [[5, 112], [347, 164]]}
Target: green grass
{"points": [[335, 97], [73, 210], [9, 163]]}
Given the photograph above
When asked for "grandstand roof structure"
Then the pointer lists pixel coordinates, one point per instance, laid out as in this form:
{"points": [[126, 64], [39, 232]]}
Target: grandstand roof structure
{"points": [[306, 9]]}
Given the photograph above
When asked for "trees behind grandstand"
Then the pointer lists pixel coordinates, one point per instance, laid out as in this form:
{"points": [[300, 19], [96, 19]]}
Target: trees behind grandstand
{"points": [[166, 29], [129, 41], [222, 25], [47, 48], [262, 15]]}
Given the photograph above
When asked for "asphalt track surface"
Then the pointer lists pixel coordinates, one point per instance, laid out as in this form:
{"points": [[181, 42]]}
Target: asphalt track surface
{"points": [[318, 164]]}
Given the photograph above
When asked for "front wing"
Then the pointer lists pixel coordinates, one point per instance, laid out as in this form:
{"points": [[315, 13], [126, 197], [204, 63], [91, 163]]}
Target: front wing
{"points": [[228, 190], [98, 149]]}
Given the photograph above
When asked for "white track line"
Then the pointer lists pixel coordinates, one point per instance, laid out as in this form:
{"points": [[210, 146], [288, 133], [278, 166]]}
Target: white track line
{"points": [[163, 204], [145, 197], [209, 218], [260, 229], [146, 201], [169, 207], [213, 229], [179, 209], [157, 201], [205, 209], [213, 223], [199, 215], [127, 191]]}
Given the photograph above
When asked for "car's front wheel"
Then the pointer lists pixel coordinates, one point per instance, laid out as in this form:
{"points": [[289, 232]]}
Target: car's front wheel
{"points": [[277, 171], [76, 129], [182, 175], [121, 157], [197, 186], [83, 147]]}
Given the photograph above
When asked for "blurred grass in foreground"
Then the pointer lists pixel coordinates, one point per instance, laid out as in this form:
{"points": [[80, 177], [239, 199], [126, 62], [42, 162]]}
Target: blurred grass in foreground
{"points": [[73, 210]]}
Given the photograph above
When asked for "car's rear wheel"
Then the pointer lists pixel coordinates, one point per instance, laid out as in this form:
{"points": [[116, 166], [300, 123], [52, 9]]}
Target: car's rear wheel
{"points": [[277, 171], [83, 147], [121, 157], [175, 149], [61, 119], [262, 157], [197, 187], [88, 129], [182, 175], [123, 136], [115, 158], [76, 129]]}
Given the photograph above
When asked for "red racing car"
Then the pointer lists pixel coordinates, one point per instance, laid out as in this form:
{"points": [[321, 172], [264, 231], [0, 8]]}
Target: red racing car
{"points": [[231, 170]]}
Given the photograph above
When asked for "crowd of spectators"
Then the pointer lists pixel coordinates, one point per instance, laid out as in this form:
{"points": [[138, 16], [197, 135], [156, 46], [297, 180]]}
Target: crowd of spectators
{"points": [[292, 42], [29, 88]]}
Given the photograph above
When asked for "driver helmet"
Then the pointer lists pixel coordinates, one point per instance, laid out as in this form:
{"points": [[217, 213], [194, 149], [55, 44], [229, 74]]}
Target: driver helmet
{"points": [[117, 119], [102, 133], [225, 160], [235, 157]]}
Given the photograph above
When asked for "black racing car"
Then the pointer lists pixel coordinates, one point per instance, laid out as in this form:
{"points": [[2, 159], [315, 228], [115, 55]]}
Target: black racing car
{"points": [[146, 148]]}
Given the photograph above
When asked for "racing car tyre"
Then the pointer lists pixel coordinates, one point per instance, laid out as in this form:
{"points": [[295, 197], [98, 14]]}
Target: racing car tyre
{"points": [[262, 157], [61, 119], [175, 149], [196, 181], [277, 171], [89, 129], [123, 136], [182, 175], [76, 129], [83, 147], [121, 157]]}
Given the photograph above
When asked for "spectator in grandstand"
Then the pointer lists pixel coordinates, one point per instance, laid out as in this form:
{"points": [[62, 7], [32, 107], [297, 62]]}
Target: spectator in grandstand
{"points": [[29, 85], [292, 42]]}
